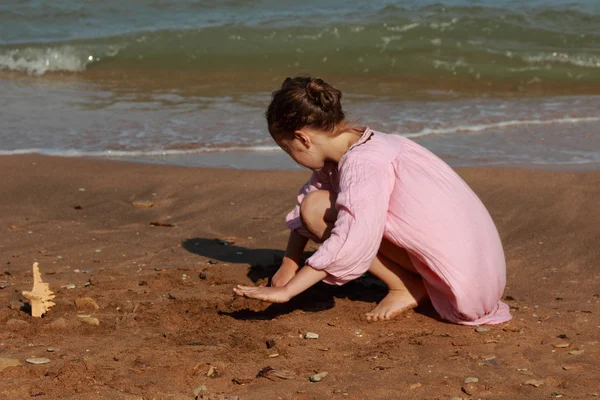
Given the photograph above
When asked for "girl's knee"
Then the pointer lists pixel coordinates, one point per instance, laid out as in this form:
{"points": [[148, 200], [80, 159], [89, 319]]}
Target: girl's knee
{"points": [[317, 209]]}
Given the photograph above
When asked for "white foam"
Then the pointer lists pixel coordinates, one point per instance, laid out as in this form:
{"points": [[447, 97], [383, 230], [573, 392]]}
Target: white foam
{"points": [[137, 153], [579, 60], [496, 125], [39, 61]]}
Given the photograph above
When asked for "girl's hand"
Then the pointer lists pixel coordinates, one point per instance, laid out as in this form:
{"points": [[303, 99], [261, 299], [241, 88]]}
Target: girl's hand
{"points": [[304, 279], [270, 294]]}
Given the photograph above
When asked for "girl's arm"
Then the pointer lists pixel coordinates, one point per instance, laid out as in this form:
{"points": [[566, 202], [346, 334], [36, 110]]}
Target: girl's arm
{"points": [[295, 248], [291, 260], [304, 279]]}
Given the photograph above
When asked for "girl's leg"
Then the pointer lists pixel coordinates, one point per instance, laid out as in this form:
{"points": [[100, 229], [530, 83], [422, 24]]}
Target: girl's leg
{"points": [[406, 289], [392, 264], [318, 213]]}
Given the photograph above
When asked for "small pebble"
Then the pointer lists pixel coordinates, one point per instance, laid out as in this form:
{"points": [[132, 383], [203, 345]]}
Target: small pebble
{"points": [[38, 360], [470, 388], [143, 204], [69, 286], [576, 352], [202, 275], [482, 329], [51, 349], [471, 380], [560, 345], [15, 305], [273, 355], [275, 374], [318, 377], [90, 320], [311, 335], [534, 382], [76, 271], [415, 386]]}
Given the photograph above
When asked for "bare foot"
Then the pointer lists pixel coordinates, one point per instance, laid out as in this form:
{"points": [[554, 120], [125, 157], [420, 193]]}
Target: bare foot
{"points": [[396, 302]]}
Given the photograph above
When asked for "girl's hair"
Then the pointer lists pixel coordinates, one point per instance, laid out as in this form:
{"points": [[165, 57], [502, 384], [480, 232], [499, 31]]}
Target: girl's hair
{"points": [[304, 102]]}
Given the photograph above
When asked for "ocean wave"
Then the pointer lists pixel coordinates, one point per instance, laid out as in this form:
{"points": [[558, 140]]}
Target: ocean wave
{"points": [[579, 60], [61, 58], [475, 128], [138, 153], [399, 46]]}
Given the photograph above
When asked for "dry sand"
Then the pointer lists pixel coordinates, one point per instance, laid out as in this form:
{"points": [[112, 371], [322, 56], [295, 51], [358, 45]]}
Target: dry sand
{"points": [[167, 314]]}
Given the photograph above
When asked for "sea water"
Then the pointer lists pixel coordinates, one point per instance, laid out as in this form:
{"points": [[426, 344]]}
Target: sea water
{"points": [[187, 82]]}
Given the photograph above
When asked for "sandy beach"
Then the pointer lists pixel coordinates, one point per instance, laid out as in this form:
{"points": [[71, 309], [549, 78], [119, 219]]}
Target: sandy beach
{"points": [[170, 328]]}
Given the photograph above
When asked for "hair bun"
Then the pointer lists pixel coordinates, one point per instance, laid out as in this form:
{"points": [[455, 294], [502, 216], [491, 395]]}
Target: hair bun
{"points": [[323, 95]]}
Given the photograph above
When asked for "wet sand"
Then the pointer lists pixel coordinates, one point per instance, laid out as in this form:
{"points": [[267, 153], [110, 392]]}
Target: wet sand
{"points": [[167, 314]]}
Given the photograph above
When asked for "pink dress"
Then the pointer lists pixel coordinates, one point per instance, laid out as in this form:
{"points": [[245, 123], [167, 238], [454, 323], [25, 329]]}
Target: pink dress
{"points": [[389, 186]]}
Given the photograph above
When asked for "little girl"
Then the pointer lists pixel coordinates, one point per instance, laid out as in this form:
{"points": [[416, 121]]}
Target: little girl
{"points": [[383, 204]]}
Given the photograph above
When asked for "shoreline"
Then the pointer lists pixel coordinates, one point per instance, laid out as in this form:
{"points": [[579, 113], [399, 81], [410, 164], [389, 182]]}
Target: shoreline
{"points": [[273, 161]]}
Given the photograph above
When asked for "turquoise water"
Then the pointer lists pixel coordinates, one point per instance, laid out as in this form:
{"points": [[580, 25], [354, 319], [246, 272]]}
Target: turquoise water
{"points": [[554, 41], [187, 82]]}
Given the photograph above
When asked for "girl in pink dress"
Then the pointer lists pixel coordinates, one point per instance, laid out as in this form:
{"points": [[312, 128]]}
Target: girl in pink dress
{"points": [[383, 204]]}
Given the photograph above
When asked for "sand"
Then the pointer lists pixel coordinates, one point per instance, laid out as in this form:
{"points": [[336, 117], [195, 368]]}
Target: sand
{"points": [[167, 316]]}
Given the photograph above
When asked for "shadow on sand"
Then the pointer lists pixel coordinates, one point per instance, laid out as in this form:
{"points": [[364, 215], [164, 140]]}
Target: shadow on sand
{"points": [[263, 265]]}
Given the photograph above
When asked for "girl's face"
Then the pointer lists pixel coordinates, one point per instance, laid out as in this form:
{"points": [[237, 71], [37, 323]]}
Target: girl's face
{"points": [[302, 149]]}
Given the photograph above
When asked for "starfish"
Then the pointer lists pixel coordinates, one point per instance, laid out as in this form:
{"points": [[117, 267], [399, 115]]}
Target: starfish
{"points": [[40, 295]]}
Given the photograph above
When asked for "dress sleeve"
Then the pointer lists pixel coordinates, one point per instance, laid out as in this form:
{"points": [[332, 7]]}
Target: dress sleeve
{"points": [[318, 181], [362, 205]]}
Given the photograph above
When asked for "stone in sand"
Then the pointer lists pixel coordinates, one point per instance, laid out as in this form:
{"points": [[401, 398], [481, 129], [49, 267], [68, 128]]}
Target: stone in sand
{"points": [[311, 335], [275, 374], [38, 360], [143, 204], [15, 305], [318, 377], [481, 329], [470, 388], [534, 382], [471, 380]]}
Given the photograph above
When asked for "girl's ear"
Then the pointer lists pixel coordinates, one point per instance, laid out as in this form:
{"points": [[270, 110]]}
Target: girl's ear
{"points": [[303, 138]]}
